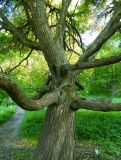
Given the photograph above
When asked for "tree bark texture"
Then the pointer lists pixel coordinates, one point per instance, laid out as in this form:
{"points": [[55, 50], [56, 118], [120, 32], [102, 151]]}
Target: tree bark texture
{"points": [[57, 138]]}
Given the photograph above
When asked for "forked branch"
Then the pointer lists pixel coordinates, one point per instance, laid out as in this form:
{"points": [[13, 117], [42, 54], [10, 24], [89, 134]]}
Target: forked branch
{"points": [[18, 96]]}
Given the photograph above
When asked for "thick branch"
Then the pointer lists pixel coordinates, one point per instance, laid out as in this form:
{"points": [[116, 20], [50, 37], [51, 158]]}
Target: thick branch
{"points": [[61, 24], [96, 63], [7, 25], [17, 95], [95, 106], [113, 25], [48, 45]]}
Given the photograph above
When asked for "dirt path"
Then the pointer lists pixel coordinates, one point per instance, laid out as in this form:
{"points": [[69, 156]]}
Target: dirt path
{"points": [[10, 129], [12, 147]]}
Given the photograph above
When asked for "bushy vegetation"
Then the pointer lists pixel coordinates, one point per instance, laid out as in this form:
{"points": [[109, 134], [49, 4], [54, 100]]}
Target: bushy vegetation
{"points": [[6, 113], [7, 108], [100, 128], [32, 123]]}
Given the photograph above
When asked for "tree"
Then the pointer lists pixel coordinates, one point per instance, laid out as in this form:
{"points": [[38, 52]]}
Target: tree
{"points": [[54, 30]]}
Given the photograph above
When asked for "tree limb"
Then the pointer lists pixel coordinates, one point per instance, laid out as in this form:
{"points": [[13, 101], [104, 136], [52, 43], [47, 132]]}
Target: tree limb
{"points": [[43, 32], [95, 106], [7, 25], [96, 63], [112, 26], [18, 96], [61, 23]]}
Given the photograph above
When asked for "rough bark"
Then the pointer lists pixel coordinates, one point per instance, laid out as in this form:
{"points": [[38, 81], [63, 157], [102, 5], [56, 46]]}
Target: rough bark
{"points": [[53, 52], [96, 105], [57, 138], [96, 63]]}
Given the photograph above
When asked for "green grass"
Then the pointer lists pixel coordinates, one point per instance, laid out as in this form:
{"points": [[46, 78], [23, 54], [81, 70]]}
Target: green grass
{"points": [[94, 127], [101, 128], [6, 113], [32, 123]]}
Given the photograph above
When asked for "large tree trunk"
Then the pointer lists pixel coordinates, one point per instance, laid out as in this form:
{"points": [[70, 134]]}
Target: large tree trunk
{"points": [[57, 138]]}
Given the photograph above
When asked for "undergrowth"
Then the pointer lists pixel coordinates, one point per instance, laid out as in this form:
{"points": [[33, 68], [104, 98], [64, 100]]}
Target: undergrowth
{"points": [[6, 113], [32, 123]]}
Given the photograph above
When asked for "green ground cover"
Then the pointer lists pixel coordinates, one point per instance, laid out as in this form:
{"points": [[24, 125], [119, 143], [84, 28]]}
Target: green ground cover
{"points": [[6, 113]]}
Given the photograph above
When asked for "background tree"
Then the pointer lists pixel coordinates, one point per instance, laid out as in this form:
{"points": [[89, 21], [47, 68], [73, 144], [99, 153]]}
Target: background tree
{"points": [[54, 29]]}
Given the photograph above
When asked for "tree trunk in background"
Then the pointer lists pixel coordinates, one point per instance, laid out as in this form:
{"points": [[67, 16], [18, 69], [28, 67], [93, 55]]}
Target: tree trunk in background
{"points": [[57, 138]]}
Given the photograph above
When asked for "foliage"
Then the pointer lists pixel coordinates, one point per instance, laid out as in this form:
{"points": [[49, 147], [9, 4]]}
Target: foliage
{"points": [[100, 128], [31, 125], [104, 81], [6, 113], [7, 108], [26, 75]]}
